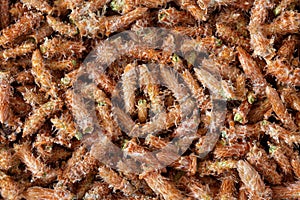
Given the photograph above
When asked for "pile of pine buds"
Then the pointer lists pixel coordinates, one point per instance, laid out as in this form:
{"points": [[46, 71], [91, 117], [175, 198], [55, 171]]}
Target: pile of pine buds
{"points": [[253, 44]]}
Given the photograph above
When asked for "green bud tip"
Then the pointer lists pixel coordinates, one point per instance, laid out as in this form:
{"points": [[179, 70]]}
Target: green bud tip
{"points": [[73, 62], [272, 148], [251, 99], [238, 118], [101, 103], [65, 80], [88, 130], [142, 102], [175, 58], [219, 42], [277, 11], [78, 135]]}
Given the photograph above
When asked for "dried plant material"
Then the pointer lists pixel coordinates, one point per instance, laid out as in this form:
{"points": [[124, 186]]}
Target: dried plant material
{"points": [[210, 81], [289, 191], [155, 142], [12, 65], [115, 181], [98, 191], [41, 33], [279, 108], [227, 70], [242, 193], [205, 4], [229, 35], [63, 5], [19, 106], [24, 77], [234, 18], [240, 114], [252, 181], [277, 153], [195, 88], [55, 155], [59, 47], [288, 47], [62, 65], [162, 186], [258, 110], [244, 50], [125, 6], [66, 129], [146, 21], [43, 144], [283, 5], [259, 42], [25, 48], [31, 96], [291, 98], [148, 80], [216, 167], [84, 186], [7, 116], [197, 190], [95, 5], [36, 120], [242, 132], [192, 7], [142, 110], [252, 71], [284, 72], [192, 31], [86, 9], [241, 90], [129, 85], [187, 164], [17, 10], [115, 23], [40, 5], [9, 188], [38, 169], [103, 108], [140, 185], [262, 45], [69, 78], [295, 163], [140, 154], [124, 120], [227, 188], [43, 77], [228, 151], [79, 166], [163, 121], [279, 133], [287, 22], [4, 16], [172, 17], [89, 25], [7, 161], [79, 111], [172, 82], [102, 80], [149, 54], [37, 193], [62, 28], [22, 27], [259, 12], [259, 159]]}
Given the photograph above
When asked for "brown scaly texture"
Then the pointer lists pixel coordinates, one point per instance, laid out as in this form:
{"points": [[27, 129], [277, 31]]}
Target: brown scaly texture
{"points": [[51, 120]]}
